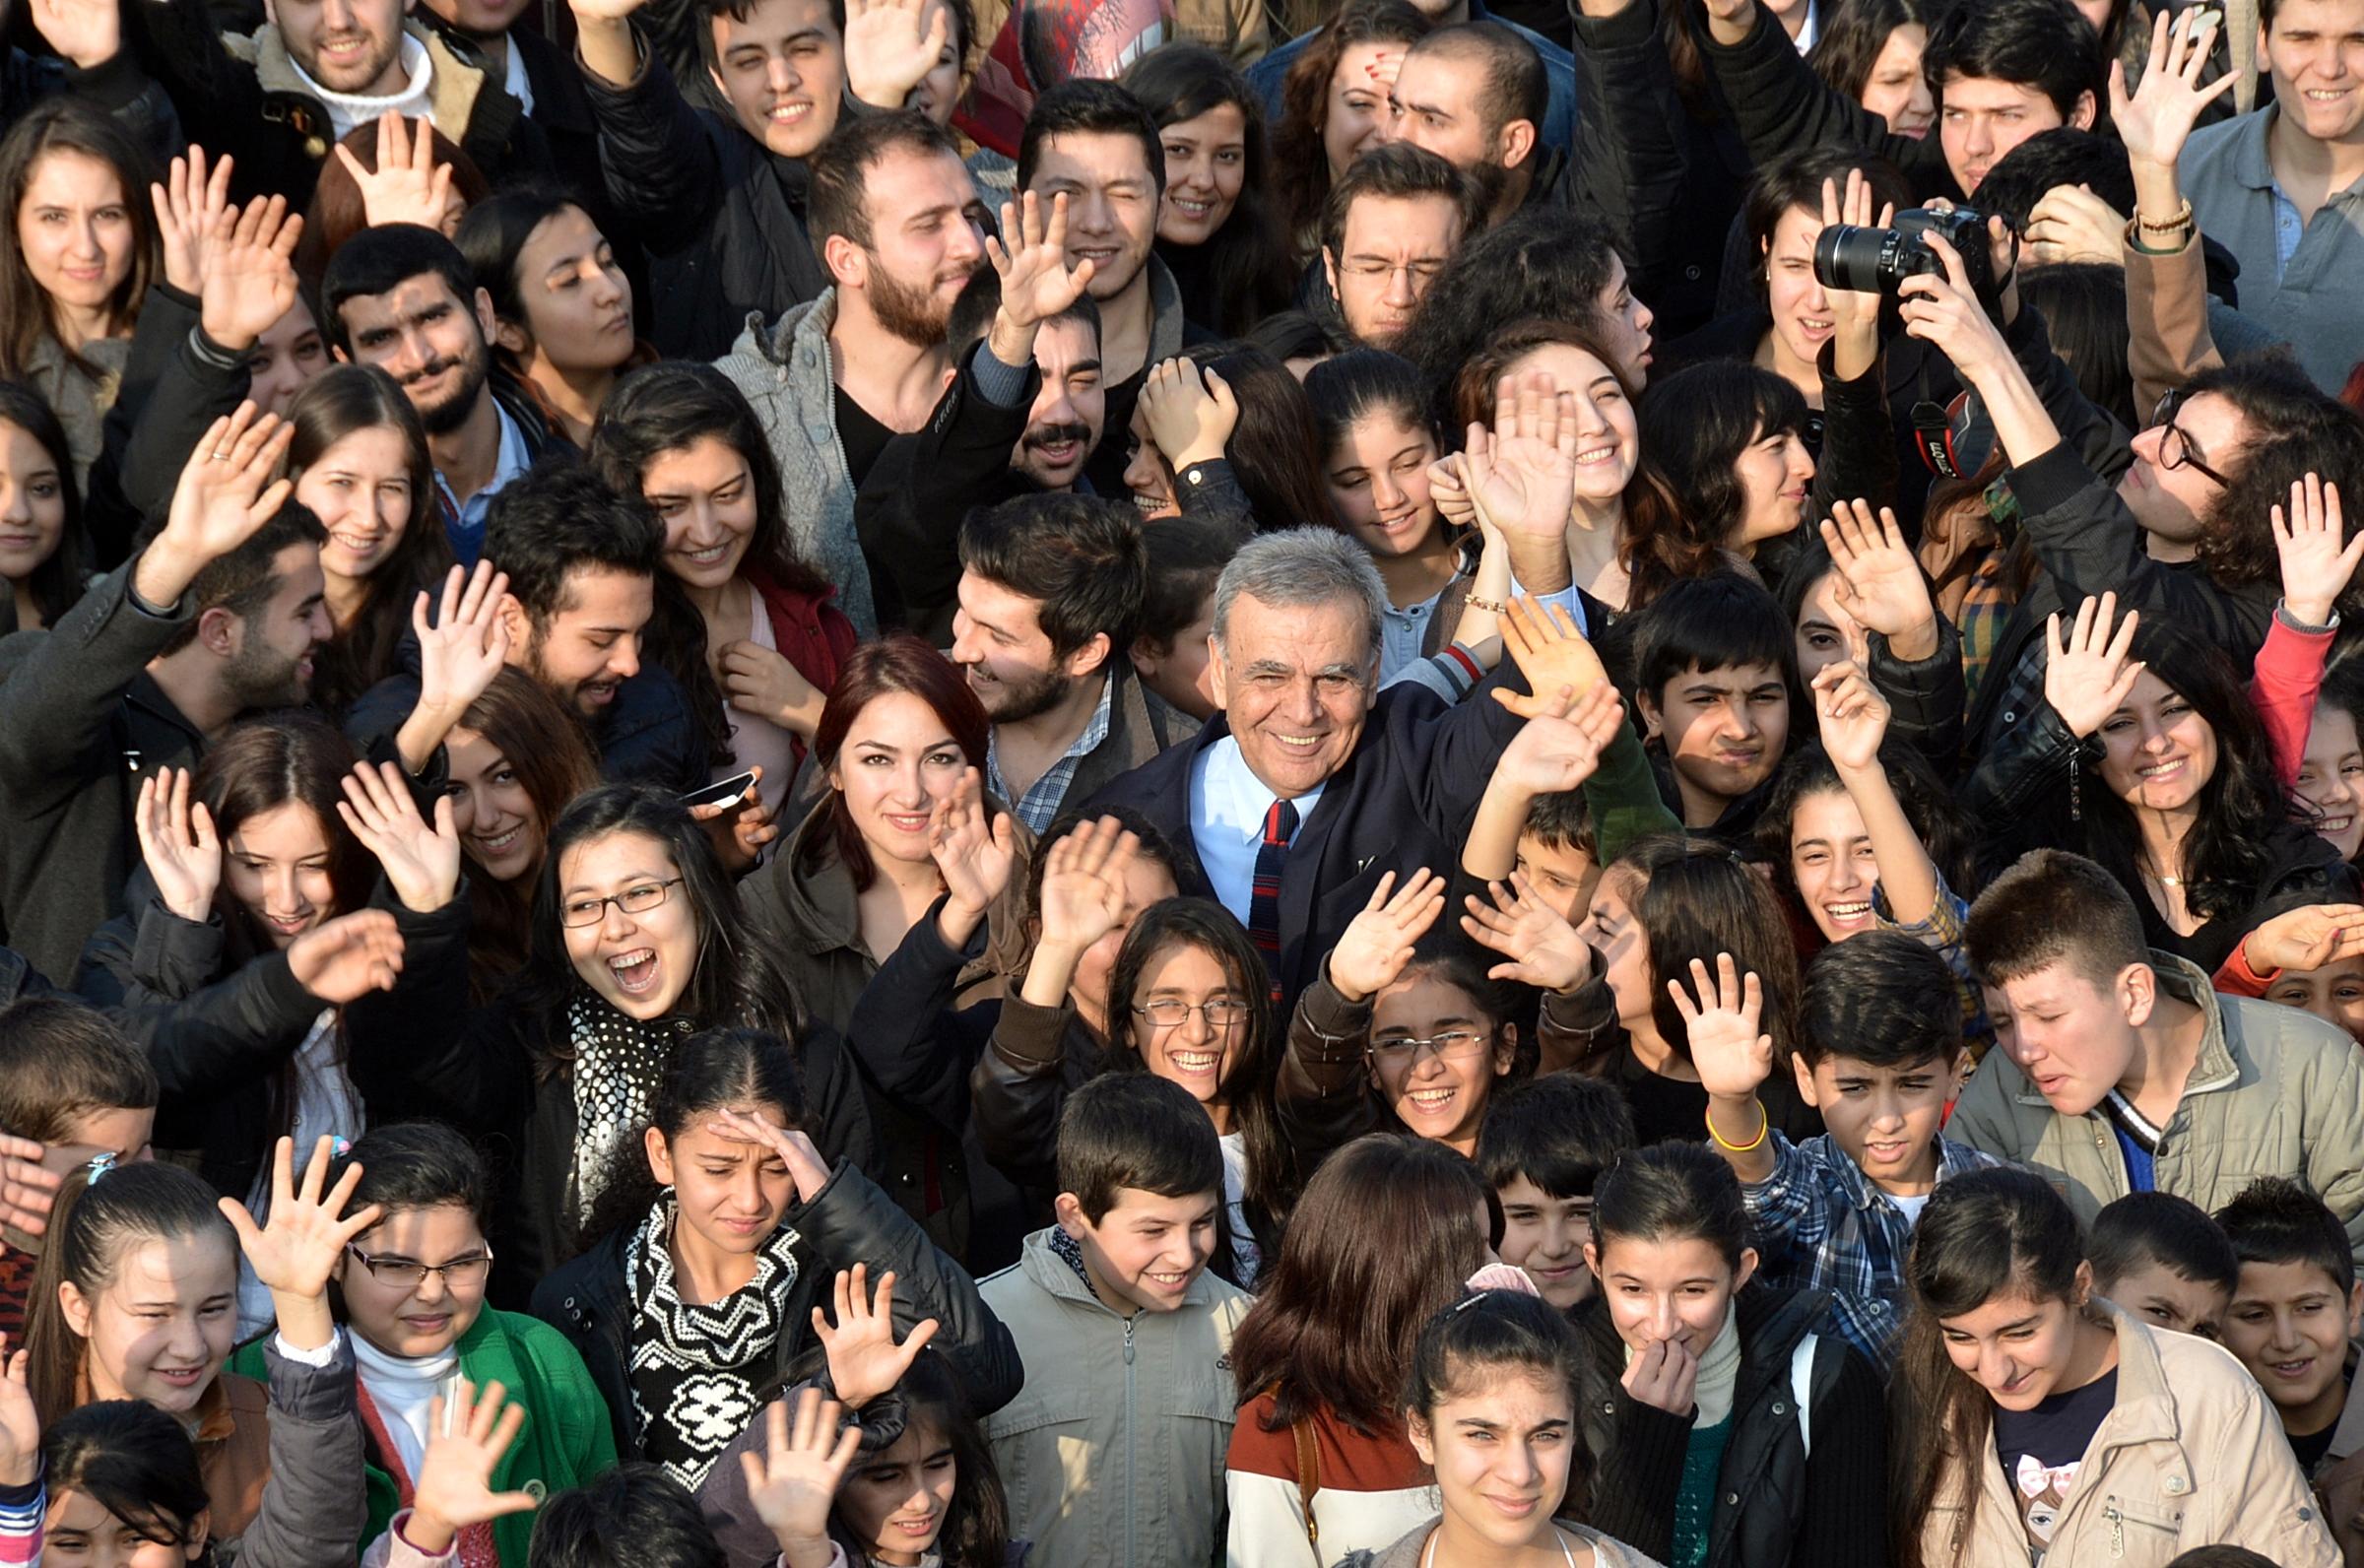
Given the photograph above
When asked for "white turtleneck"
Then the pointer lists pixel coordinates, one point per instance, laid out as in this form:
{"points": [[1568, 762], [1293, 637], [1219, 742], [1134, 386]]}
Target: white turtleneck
{"points": [[349, 109], [400, 1386]]}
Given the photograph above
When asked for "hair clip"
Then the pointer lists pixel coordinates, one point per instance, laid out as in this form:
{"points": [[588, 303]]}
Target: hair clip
{"points": [[338, 1148], [99, 1166], [1471, 1300]]}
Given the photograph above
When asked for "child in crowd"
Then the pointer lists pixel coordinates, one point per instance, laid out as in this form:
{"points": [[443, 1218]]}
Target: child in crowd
{"points": [[2295, 1314], [1544, 1146], [1724, 1426], [1498, 1371], [1882, 1065], [2124, 1071], [1715, 668], [1116, 1317], [2013, 1370], [1319, 1466], [2164, 1261], [71, 1083], [2305, 955]]}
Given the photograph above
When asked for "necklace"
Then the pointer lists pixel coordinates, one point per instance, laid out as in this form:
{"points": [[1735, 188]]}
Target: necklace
{"points": [[1428, 1552]]}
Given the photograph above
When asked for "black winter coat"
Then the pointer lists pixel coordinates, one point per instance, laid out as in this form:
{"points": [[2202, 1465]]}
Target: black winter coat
{"points": [[1776, 1507], [848, 1221]]}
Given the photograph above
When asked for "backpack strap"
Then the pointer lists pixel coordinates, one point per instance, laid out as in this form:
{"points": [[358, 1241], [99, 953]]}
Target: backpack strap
{"points": [[1802, 1388], [1309, 1479]]}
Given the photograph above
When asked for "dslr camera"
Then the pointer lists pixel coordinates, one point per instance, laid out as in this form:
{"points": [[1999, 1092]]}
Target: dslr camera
{"points": [[1879, 260]]}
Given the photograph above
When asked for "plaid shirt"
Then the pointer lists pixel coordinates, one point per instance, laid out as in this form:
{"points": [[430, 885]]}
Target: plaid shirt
{"points": [[1820, 1224], [1039, 806]]}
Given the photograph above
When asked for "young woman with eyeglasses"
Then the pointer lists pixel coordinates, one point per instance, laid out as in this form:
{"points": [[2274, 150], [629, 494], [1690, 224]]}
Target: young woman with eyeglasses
{"points": [[412, 1289], [1186, 1001], [1420, 1030]]}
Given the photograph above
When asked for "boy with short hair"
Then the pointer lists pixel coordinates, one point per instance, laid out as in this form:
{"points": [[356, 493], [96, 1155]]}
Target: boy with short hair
{"points": [[1716, 664], [2161, 1258], [70, 1082], [1542, 1145], [1880, 1054], [1120, 1326], [2123, 1072], [2296, 1308]]}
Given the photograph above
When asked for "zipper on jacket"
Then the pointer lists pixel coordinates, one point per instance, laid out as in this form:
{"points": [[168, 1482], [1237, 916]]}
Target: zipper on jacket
{"points": [[1131, 1425], [2117, 1529]]}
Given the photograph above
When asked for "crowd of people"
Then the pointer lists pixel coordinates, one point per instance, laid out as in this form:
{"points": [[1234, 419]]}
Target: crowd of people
{"points": [[843, 782]]}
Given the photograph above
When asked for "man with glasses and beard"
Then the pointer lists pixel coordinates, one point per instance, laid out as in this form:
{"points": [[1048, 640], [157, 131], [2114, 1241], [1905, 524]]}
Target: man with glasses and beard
{"points": [[400, 298], [836, 378], [1051, 587]]}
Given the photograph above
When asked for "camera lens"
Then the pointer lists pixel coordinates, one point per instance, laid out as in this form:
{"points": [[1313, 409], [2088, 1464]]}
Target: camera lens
{"points": [[1849, 257]]}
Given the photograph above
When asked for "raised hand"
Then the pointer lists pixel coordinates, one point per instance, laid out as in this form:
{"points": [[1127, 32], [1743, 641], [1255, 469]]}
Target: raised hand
{"points": [[1541, 947], [249, 270], [2310, 937], [84, 33], [1721, 1015], [343, 959], [974, 857], [1553, 656], [20, 1422], [865, 1361], [1881, 582], [408, 186], [2317, 567], [2069, 222], [791, 1146], [1551, 753], [421, 861], [227, 492], [178, 844], [1377, 943], [1082, 896], [189, 201], [294, 1253], [466, 1438], [1036, 281], [1664, 1376], [1522, 473], [467, 643], [765, 683], [1853, 714], [1190, 411], [2087, 674], [27, 1187], [2157, 119], [793, 1483], [887, 52], [1855, 316]]}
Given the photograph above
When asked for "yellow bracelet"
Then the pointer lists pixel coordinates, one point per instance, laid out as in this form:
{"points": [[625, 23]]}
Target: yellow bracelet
{"points": [[1764, 1124]]}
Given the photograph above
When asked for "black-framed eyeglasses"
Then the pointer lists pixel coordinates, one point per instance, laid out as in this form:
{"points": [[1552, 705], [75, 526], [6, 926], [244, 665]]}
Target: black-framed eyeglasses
{"points": [[1221, 1013], [2175, 446], [460, 1274], [1452, 1045], [637, 899]]}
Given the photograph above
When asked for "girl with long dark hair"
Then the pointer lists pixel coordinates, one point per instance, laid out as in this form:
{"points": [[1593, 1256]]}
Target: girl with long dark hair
{"points": [[360, 462], [562, 307], [1395, 1225], [1234, 420], [750, 631], [1334, 106], [2011, 1369], [1871, 51], [1731, 473], [716, 1236], [1216, 231], [44, 555]]}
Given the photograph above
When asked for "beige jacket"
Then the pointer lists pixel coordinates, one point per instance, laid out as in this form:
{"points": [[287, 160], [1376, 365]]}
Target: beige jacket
{"points": [[1113, 1452], [2192, 1455], [2276, 1092]]}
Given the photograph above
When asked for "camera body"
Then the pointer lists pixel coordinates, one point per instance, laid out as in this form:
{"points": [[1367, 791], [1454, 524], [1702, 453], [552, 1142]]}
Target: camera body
{"points": [[1879, 260]]}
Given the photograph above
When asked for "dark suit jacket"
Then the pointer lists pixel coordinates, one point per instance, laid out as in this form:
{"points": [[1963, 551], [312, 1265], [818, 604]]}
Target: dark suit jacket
{"points": [[1403, 801]]}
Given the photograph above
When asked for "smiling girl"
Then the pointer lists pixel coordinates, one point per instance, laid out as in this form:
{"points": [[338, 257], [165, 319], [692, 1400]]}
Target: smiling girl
{"points": [[702, 1302], [44, 551], [751, 629], [360, 462], [1493, 1410], [2040, 1424], [1214, 232], [1334, 107], [1726, 1428]]}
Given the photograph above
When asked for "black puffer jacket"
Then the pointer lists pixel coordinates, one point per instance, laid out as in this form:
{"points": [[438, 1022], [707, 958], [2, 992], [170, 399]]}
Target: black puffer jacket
{"points": [[1777, 1506], [848, 1221]]}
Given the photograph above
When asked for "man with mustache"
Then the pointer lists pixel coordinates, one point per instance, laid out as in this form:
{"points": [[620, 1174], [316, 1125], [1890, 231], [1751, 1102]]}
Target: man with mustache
{"points": [[400, 298], [837, 379], [1024, 413]]}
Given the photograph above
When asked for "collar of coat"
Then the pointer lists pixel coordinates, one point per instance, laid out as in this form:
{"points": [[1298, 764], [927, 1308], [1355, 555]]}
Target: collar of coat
{"points": [[451, 89]]}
